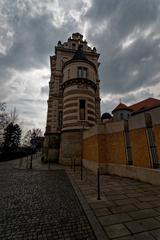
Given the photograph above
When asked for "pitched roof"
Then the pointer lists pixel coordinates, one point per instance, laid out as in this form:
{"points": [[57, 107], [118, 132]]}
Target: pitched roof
{"points": [[145, 104], [121, 106], [141, 106]]}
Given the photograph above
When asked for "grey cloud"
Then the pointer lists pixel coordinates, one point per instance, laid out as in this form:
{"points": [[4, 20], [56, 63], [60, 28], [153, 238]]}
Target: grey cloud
{"points": [[45, 90], [108, 105], [128, 99], [32, 44], [133, 98], [46, 77], [34, 36], [123, 19], [102, 9], [124, 15], [33, 41], [128, 70], [110, 23]]}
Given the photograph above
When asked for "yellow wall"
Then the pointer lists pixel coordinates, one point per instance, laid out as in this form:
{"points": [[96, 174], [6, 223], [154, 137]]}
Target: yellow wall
{"points": [[105, 148], [116, 148], [139, 148], [90, 149], [110, 147], [102, 148], [156, 130]]}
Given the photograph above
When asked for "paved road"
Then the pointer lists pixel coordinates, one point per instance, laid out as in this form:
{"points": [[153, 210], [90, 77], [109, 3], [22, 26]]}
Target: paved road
{"points": [[40, 205]]}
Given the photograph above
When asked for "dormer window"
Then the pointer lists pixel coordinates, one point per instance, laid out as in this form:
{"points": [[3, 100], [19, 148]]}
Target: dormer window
{"points": [[82, 72]]}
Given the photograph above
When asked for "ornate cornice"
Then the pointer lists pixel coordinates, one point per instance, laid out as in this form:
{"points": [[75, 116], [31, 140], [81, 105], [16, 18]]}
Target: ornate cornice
{"points": [[80, 82]]}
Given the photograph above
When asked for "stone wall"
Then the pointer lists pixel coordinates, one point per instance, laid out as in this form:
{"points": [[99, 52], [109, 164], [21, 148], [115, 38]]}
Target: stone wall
{"points": [[70, 147], [115, 143], [51, 147]]}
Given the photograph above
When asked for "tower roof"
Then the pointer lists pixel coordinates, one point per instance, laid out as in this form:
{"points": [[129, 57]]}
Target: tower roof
{"points": [[106, 115], [79, 54]]}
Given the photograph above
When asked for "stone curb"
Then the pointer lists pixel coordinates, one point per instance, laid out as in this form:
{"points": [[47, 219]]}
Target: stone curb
{"points": [[97, 228]]}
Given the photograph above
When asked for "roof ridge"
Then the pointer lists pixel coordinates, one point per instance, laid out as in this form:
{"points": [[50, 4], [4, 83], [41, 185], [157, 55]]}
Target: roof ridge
{"points": [[144, 101]]}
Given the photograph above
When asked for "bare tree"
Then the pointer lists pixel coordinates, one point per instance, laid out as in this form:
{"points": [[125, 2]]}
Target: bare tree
{"points": [[32, 137], [13, 116]]}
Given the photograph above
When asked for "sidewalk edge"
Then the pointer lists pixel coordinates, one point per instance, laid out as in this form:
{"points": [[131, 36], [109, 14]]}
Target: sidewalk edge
{"points": [[97, 228]]}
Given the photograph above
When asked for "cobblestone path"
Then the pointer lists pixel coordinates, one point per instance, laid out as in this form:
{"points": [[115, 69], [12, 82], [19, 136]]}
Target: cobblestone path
{"points": [[40, 205]]}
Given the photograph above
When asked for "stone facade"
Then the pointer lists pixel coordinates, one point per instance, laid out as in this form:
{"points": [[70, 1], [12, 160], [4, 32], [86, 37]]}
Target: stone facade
{"points": [[74, 102]]}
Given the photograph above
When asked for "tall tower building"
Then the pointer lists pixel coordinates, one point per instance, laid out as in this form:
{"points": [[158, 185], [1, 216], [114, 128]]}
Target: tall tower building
{"points": [[74, 102]]}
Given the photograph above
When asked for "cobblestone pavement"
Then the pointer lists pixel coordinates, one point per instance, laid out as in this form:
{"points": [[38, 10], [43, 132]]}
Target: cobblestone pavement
{"points": [[128, 209], [40, 205]]}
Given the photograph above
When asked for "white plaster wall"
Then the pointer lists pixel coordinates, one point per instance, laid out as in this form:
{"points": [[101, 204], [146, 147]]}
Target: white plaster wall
{"points": [[137, 121]]}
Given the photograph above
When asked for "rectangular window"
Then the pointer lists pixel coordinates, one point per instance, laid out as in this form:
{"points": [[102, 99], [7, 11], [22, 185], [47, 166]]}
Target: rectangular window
{"points": [[60, 119], [85, 72], [68, 73], [82, 109], [121, 116], [79, 72], [82, 72]]}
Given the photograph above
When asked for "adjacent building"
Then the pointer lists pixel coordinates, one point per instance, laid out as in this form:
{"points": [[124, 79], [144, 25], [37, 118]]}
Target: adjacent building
{"points": [[123, 112]]}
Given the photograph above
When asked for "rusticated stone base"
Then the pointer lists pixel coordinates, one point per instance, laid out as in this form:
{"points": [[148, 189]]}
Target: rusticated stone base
{"points": [[70, 148], [51, 147]]}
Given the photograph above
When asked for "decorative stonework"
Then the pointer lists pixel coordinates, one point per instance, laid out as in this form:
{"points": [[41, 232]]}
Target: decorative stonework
{"points": [[80, 83], [74, 101]]}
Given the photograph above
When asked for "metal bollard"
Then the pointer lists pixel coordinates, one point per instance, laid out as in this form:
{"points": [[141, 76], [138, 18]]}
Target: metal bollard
{"points": [[27, 163], [20, 162], [74, 166], [31, 162], [98, 184], [49, 163], [81, 169]]}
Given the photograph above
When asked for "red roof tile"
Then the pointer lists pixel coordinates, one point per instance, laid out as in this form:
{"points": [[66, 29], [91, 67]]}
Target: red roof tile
{"points": [[145, 104], [121, 106]]}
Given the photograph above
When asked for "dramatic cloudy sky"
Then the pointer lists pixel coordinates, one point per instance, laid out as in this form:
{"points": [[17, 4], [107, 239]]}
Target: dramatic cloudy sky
{"points": [[125, 32]]}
